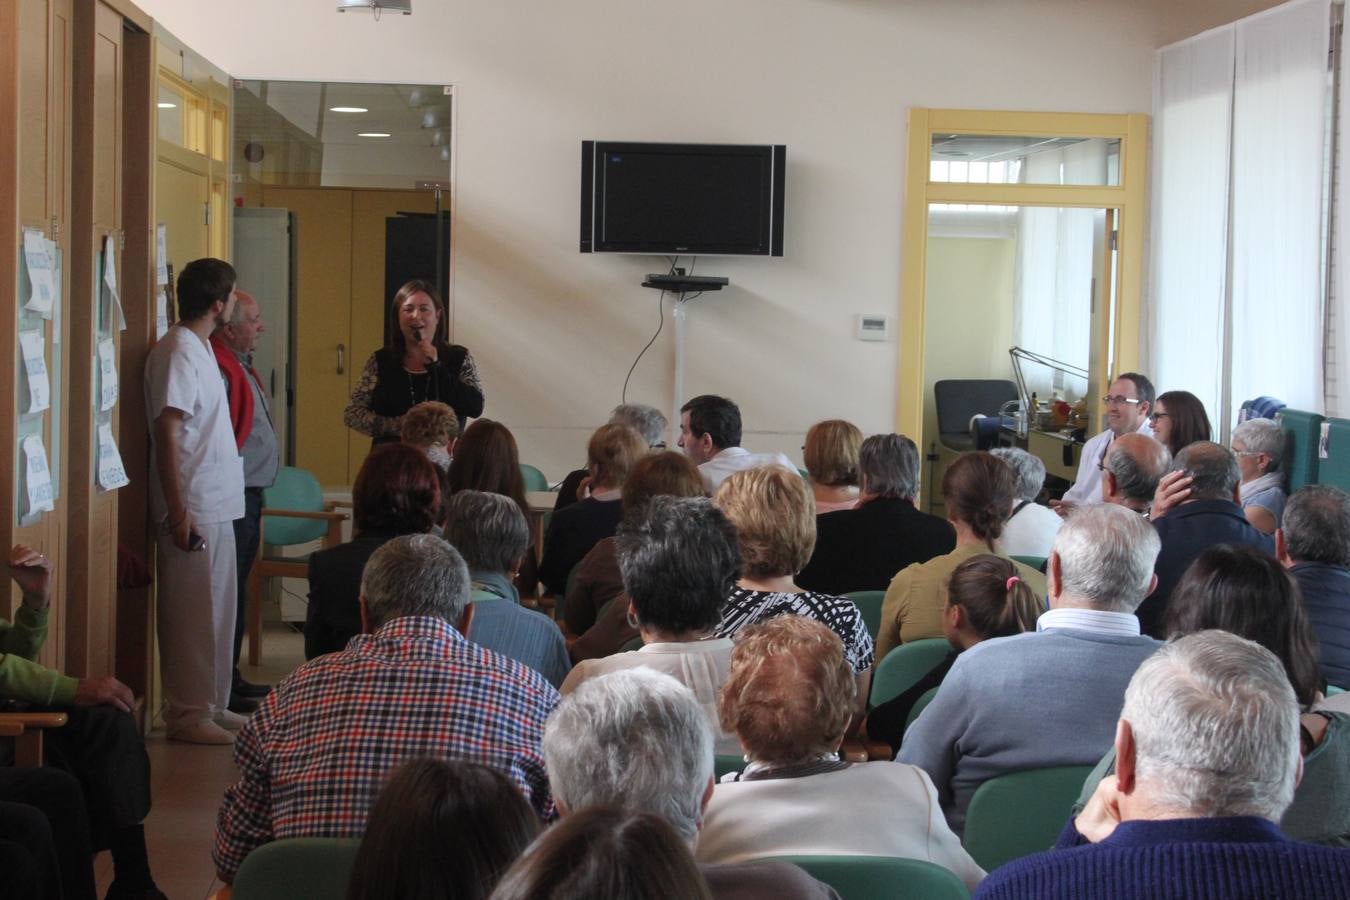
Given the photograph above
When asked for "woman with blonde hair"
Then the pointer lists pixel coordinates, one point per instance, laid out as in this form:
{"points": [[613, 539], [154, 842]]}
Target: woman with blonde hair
{"points": [[830, 454]]}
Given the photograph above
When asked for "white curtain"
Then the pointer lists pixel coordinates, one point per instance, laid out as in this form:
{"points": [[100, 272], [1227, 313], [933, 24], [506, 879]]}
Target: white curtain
{"points": [[1192, 119], [1279, 165], [1338, 374], [1053, 303]]}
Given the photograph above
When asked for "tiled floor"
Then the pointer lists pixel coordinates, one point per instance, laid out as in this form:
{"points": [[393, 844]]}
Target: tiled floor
{"points": [[187, 784]]}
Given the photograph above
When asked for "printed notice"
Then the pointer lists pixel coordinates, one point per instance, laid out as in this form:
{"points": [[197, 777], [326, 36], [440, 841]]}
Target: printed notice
{"points": [[39, 263], [161, 312], [35, 371], [161, 255], [107, 374], [1324, 442], [119, 321], [111, 474], [38, 478]]}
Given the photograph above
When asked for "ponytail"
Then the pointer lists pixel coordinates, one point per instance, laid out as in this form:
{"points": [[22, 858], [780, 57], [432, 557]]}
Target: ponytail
{"points": [[996, 600]]}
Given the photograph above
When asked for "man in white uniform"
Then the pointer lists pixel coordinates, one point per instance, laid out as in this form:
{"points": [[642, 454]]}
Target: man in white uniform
{"points": [[195, 497], [710, 435], [1128, 402]]}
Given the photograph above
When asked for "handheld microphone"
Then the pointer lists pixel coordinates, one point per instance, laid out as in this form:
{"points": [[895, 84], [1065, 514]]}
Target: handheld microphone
{"points": [[417, 335]]}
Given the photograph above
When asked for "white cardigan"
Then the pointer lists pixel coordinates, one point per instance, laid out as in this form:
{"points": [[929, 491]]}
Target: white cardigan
{"points": [[868, 809]]}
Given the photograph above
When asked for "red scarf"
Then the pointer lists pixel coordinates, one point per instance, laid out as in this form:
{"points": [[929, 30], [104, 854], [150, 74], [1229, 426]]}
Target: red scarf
{"points": [[237, 388]]}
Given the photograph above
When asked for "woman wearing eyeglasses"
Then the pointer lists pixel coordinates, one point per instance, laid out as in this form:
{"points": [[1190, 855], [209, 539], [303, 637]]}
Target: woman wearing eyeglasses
{"points": [[1178, 418]]}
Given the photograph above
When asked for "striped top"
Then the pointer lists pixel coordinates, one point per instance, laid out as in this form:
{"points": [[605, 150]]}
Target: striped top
{"points": [[839, 614]]}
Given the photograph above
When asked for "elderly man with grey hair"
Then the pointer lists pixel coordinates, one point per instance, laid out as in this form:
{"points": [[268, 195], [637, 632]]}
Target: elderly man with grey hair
{"points": [[1048, 697], [491, 533], [1207, 751], [1032, 527], [647, 421], [1313, 543], [313, 757], [861, 549], [639, 740], [1258, 445], [1210, 515], [1131, 470]]}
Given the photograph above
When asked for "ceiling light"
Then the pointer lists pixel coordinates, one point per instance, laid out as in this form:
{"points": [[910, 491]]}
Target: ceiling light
{"points": [[373, 134], [168, 106], [348, 109]]}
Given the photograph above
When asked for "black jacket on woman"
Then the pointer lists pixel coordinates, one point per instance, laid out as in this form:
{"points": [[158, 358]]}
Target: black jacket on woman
{"points": [[387, 390]]}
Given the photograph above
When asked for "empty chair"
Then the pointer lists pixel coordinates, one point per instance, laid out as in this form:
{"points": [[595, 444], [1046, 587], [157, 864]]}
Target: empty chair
{"points": [[960, 399]]}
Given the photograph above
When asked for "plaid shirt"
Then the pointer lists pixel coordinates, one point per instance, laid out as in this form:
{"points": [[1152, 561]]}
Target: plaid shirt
{"points": [[313, 757]]}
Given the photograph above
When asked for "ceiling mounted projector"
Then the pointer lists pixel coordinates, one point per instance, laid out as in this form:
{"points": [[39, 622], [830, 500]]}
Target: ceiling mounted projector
{"points": [[377, 6]]}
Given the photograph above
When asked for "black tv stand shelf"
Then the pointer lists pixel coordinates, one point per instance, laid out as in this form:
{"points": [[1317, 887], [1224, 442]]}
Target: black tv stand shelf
{"points": [[686, 284]]}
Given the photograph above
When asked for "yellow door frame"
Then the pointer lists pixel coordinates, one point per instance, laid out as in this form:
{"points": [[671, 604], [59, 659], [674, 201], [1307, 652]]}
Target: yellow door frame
{"points": [[1129, 199]]}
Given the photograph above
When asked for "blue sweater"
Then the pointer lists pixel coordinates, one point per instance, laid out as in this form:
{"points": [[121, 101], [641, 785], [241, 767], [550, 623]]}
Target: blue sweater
{"points": [[1177, 859], [1326, 599]]}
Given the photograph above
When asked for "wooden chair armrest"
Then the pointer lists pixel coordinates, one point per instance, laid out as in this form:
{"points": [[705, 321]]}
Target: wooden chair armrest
{"points": [[853, 750], [338, 504], [11, 729], [35, 719], [326, 515], [222, 894], [28, 729]]}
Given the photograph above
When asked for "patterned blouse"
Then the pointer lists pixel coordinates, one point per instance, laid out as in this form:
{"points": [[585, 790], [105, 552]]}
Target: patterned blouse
{"points": [[839, 614]]}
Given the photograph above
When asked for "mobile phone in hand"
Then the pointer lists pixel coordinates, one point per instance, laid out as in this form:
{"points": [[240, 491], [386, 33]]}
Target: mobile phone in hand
{"points": [[196, 541]]}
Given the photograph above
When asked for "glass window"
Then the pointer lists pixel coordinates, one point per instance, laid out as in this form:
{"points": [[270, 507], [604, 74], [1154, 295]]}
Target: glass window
{"points": [[1004, 159]]}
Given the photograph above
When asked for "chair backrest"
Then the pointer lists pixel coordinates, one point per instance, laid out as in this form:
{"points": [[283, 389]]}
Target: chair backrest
{"points": [[869, 604], [904, 666], [1302, 430], [727, 762], [1021, 813], [534, 479], [924, 699], [1036, 562], [881, 877], [293, 489], [314, 868], [957, 399], [1335, 469]]}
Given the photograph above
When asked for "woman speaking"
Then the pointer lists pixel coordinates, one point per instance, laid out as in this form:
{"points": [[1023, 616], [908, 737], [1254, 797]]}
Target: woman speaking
{"points": [[417, 364]]}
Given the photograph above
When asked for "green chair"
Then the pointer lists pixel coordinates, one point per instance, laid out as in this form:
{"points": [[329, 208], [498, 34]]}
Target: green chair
{"points": [[1036, 562], [904, 666], [1332, 690], [294, 512], [880, 877], [313, 868], [724, 763], [869, 604], [924, 699], [1302, 431], [534, 479], [1021, 813]]}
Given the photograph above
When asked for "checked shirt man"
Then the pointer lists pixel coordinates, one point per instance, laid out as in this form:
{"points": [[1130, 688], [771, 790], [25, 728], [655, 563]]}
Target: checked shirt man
{"points": [[313, 757]]}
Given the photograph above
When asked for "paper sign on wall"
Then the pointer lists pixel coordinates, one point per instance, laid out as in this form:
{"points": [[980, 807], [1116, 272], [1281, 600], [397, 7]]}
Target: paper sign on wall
{"points": [[111, 474], [161, 312], [119, 321], [39, 263], [38, 478], [161, 254], [107, 374], [35, 370], [1324, 442]]}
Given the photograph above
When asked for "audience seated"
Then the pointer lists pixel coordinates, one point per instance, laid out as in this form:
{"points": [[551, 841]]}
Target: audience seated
{"points": [[710, 433], [978, 492], [1131, 470], [486, 459], [789, 699], [575, 529], [985, 599], [647, 421], [861, 549], [430, 806], [1031, 528], [1258, 445], [1178, 420], [431, 427], [1208, 758], [605, 852], [1207, 478], [1049, 697], [396, 492], [1313, 542], [94, 788], [679, 563], [490, 533], [639, 740], [830, 455], [776, 531], [596, 609], [1244, 592], [312, 757]]}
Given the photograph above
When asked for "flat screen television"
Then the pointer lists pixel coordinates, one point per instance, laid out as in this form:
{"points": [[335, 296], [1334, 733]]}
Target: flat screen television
{"points": [[677, 199]]}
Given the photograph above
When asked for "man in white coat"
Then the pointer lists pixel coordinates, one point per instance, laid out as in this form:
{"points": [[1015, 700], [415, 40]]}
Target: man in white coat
{"points": [[1128, 403]]}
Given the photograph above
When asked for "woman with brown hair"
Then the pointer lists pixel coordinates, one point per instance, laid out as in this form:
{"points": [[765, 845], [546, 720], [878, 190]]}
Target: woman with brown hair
{"points": [[486, 459], [432, 806], [417, 363], [978, 490], [1178, 418], [397, 492], [830, 455]]}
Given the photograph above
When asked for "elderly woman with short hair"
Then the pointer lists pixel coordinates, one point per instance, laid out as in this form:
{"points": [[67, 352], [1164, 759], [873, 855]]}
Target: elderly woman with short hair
{"points": [[431, 427], [830, 455], [1258, 445], [679, 561], [1031, 528], [788, 699], [776, 531]]}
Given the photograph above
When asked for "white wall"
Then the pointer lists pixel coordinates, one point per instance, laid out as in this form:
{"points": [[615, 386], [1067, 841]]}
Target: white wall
{"points": [[554, 331]]}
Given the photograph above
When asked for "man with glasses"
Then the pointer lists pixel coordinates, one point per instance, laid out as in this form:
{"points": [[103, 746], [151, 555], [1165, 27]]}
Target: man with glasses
{"points": [[1128, 403]]}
